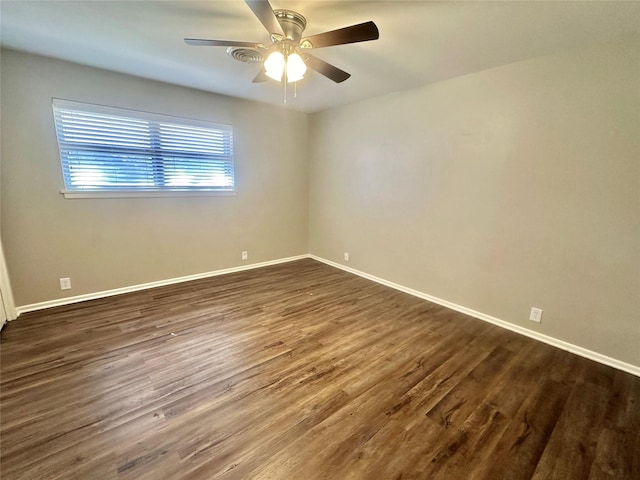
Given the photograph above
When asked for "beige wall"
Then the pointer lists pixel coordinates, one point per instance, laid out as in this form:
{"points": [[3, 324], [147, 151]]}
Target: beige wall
{"points": [[498, 191], [110, 243]]}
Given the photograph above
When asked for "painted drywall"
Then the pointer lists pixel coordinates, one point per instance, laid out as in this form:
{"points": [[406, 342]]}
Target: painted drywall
{"points": [[102, 244], [498, 191]]}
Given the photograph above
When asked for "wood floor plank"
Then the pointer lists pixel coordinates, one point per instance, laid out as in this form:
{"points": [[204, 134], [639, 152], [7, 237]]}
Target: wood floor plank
{"points": [[620, 436], [571, 449], [518, 451], [300, 370]]}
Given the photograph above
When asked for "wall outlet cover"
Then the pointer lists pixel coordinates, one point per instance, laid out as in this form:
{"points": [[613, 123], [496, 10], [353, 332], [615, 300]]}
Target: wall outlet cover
{"points": [[536, 314]]}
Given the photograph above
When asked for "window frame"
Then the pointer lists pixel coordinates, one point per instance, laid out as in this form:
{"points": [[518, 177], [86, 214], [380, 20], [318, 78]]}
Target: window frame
{"points": [[153, 120]]}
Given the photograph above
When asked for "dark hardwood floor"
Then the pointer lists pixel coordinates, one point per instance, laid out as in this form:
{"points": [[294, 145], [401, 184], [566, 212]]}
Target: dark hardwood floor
{"points": [[301, 371]]}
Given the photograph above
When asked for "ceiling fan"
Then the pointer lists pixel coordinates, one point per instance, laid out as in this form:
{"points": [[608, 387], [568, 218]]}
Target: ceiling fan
{"points": [[287, 56]]}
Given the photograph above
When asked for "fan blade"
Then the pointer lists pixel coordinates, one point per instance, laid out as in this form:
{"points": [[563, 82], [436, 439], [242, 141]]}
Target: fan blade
{"points": [[264, 12], [260, 77], [326, 69], [200, 42], [362, 32]]}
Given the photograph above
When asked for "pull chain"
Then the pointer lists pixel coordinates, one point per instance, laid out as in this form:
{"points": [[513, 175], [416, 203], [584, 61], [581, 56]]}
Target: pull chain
{"points": [[285, 88]]}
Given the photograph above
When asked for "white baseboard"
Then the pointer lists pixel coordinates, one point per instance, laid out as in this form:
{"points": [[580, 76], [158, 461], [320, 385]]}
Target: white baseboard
{"points": [[583, 352], [144, 286]]}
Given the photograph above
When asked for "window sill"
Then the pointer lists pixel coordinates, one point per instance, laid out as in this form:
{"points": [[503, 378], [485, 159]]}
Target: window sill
{"points": [[147, 193]]}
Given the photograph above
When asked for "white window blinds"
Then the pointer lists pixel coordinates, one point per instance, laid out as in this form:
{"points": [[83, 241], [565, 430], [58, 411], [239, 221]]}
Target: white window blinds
{"points": [[111, 149]]}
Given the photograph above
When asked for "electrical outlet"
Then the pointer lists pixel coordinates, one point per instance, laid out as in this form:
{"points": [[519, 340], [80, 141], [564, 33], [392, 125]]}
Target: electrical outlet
{"points": [[245, 255], [65, 283], [536, 314], [346, 256]]}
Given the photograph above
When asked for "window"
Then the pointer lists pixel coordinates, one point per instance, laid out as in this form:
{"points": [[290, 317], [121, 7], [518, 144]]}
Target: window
{"points": [[105, 149]]}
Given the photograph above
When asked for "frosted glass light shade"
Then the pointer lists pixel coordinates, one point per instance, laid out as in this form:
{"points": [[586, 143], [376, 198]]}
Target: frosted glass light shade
{"points": [[274, 65], [295, 68]]}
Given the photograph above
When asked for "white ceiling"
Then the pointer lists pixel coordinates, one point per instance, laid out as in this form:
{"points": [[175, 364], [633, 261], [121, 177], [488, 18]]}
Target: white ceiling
{"points": [[420, 41]]}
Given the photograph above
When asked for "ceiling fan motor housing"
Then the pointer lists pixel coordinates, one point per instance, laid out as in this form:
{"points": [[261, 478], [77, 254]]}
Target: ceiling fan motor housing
{"points": [[292, 23]]}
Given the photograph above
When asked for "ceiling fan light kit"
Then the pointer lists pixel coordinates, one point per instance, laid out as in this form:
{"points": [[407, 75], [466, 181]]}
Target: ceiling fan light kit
{"points": [[289, 65], [287, 57]]}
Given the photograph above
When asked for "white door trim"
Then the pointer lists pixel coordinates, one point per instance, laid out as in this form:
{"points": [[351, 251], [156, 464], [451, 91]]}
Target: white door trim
{"points": [[5, 289]]}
